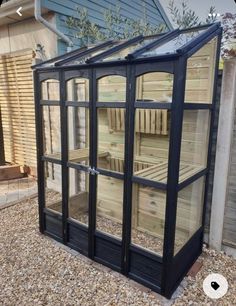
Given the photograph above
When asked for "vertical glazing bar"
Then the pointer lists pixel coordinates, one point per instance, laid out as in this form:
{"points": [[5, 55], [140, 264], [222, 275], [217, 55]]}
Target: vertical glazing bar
{"points": [[39, 142], [211, 129], [64, 156], [129, 145], [92, 161], [173, 172]]}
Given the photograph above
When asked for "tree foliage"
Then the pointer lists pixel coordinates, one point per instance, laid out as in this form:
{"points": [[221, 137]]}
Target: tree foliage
{"points": [[116, 26], [229, 35], [184, 17]]}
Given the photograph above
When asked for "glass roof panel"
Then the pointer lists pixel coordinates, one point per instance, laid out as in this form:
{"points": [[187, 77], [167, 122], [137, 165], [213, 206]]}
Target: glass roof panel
{"points": [[173, 45], [121, 54], [82, 60]]}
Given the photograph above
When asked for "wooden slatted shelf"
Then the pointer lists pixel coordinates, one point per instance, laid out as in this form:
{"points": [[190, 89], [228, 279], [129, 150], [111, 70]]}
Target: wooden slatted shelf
{"points": [[77, 155], [158, 172]]}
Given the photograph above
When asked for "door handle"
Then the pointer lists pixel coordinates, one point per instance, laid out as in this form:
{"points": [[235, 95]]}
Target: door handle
{"points": [[93, 171]]}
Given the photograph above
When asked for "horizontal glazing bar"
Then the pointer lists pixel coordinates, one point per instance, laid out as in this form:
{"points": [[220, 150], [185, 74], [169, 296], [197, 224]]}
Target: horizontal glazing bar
{"points": [[78, 166], [50, 102], [149, 183], [110, 104], [158, 58], [51, 160], [197, 106], [153, 105], [76, 103], [111, 174]]}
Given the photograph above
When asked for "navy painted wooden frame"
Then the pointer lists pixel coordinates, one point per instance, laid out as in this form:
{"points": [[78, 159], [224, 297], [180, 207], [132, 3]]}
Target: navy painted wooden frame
{"points": [[161, 274]]}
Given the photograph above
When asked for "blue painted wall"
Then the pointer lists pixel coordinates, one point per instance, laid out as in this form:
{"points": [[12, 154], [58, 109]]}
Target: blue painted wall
{"points": [[132, 9]]}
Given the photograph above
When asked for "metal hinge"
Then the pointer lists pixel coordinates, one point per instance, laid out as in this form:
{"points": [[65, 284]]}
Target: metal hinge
{"points": [[93, 171]]}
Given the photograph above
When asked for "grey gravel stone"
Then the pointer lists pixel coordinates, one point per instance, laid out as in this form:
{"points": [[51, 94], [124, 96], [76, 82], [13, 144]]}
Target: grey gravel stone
{"points": [[35, 270]]}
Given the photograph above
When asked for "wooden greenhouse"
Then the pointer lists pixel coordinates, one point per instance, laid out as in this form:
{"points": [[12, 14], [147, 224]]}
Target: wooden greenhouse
{"points": [[124, 134]]}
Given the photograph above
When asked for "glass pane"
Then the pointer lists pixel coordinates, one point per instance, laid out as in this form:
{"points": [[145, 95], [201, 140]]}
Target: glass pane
{"points": [[78, 134], [111, 139], [194, 144], [53, 186], [51, 131], [154, 86], [200, 74], [172, 45], [112, 89], [120, 55], [82, 60], [151, 144], [189, 212], [78, 89], [109, 205], [148, 218], [78, 195], [50, 90]]}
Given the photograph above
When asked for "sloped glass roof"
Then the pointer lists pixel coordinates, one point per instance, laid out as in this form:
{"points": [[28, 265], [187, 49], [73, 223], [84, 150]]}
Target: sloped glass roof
{"points": [[173, 45], [135, 49], [120, 55], [86, 57]]}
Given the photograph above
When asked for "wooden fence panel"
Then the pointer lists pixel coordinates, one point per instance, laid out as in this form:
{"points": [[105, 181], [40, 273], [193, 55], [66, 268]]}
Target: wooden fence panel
{"points": [[17, 107]]}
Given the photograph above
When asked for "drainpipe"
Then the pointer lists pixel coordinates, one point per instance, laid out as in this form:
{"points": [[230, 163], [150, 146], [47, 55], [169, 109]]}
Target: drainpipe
{"points": [[51, 27]]}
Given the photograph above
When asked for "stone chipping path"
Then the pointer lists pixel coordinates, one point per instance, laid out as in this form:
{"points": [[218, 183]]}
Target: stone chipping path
{"points": [[35, 270]]}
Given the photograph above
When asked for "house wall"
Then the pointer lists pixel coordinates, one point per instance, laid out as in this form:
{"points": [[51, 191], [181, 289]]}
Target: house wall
{"points": [[27, 34], [130, 9]]}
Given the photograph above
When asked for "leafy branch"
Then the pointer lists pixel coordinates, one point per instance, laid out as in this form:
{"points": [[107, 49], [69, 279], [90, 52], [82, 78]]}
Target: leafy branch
{"points": [[229, 35], [184, 17], [116, 26]]}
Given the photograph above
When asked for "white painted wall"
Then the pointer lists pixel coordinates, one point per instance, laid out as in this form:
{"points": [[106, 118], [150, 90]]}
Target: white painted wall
{"points": [[27, 34], [223, 153]]}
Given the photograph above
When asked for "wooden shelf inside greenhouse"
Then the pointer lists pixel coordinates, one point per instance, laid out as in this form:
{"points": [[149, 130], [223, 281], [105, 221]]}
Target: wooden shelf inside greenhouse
{"points": [[158, 172], [77, 155]]}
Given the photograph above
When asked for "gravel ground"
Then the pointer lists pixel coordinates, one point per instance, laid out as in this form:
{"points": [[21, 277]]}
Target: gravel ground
{"points": [[17, 189], [35, 270]]}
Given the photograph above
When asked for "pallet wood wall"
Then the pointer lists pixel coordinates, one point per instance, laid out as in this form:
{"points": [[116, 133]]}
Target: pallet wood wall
{"points": [[200, 73], [194, 140], [17, 106]]}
